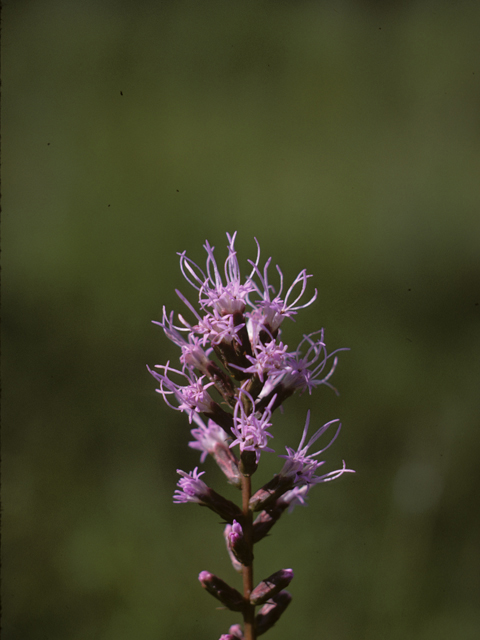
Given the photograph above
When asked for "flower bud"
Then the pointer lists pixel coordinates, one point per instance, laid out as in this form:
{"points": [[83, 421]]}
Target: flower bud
{"points": [[271, 612], [269, 587], [266, 497], [237, 545], [235, 563], [236, 631], [226, 509], [228, 463], [227, 595]]}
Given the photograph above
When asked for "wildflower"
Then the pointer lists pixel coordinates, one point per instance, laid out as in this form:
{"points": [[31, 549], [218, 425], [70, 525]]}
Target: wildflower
{"points": [[268, 360], [301, 466], [192, 489], [271, 313], [235, 372], [226, 298], [207, 439], [213, 440], [300, 372], [192, 397], [249, 429]]}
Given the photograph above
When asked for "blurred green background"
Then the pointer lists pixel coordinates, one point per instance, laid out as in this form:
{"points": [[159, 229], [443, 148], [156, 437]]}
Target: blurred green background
{"points": [[345, 137]]}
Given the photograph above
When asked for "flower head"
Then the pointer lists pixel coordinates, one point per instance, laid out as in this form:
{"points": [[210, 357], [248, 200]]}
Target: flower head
{"points": [[271, 311], [250, 428], [192, 397], [207, 439], [190, 487], [225, 298]]}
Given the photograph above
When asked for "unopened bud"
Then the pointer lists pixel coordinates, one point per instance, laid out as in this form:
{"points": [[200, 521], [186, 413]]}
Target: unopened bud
{"points": [[236, 631], [272, 585], [237, 545], [226, 509], [227, 595], [265, 521], [266, 497], [228, 463], [271, 612], [235, 563]]}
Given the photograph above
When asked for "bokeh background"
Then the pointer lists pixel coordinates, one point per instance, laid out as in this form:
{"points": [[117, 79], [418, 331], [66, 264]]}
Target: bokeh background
{"points": [[345, 137]]}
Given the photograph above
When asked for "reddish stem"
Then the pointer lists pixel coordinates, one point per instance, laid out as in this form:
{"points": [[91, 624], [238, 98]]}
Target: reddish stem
{"points": [[249, 610]]}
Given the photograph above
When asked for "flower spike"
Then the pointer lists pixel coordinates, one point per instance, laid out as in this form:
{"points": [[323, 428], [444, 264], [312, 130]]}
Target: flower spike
{"points": [[235, 371]]}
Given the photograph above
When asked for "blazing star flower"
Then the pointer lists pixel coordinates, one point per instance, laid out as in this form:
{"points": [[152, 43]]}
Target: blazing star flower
{"points": [[207, 438], [271, 313], [302, 466], [191, 488], [304, 372], [268, 360], [191, 398], [232, 347], [226, 298], [193, 355], [300, 373], [249, 429]]}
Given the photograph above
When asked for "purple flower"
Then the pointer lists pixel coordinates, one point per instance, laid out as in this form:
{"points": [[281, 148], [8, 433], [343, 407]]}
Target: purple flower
{"points": [[268, 360], [207, 438], [235, 371], [191, 488], [193, 355], [226, 298], [236, 630], [191, 398], [294, 497], [250, 429], [302, 372], [270, 313], [236, 532], [234, 633], [299, 464]]}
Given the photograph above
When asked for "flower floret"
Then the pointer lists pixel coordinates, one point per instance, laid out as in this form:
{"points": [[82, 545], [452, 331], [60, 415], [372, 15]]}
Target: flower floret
{"points": [[207, 438], [191, 488], [250, 429]]}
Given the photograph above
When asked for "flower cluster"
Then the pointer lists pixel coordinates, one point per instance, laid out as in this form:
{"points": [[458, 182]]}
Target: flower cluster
{"points": [[234, 373]]}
